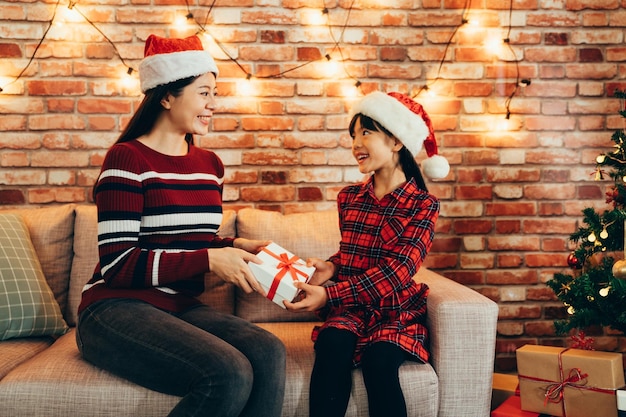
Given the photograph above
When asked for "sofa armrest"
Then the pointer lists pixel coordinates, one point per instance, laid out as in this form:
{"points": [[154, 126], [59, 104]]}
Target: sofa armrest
{"points": [[462, 326]]}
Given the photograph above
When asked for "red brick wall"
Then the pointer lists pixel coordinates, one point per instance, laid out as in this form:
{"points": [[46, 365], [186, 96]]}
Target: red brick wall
{"points": [[514, 194]]}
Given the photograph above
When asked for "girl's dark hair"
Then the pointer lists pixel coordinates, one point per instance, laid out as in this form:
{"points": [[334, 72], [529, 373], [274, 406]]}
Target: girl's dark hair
{"points": [[148, 112], [409, 166]]}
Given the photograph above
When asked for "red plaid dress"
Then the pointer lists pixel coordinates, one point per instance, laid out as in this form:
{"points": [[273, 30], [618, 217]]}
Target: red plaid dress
{"points": [[383, 244]]}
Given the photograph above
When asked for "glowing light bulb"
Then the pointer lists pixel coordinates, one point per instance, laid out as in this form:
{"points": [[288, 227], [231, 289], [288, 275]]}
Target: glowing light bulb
{"points": [[128, 81], [493, 45], [424, 91], [332, 67], [246, 88], [350, 90], [505, 124], [182, 22], [600, 159], [314, 18], [4, 82], [67, 15], [207, 36], [604, 234], [604, 291], [473, 21], [571, 310], [592, 237]]}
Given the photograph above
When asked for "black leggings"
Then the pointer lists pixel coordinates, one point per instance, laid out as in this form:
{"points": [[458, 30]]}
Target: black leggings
{"points": [[331, 379]]}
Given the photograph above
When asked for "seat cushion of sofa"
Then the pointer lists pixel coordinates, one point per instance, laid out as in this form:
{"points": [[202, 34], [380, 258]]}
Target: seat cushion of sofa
{"points": [[15, 351], [419, 381], [58, 381]]}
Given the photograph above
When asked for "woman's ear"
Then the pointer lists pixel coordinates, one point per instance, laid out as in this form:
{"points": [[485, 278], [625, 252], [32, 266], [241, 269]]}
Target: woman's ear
{"points": [[397, 145], [165, 101]]}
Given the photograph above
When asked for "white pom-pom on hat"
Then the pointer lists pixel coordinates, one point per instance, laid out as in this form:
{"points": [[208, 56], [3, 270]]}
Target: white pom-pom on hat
{"points": [[168, 60], [409, 123]]}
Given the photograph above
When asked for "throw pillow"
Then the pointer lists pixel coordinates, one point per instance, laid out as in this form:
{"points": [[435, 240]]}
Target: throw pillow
{"points": [[27, 304]]}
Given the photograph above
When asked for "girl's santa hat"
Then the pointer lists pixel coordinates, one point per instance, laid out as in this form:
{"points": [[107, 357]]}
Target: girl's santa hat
{"points": [[168, 60], [409, 123]]}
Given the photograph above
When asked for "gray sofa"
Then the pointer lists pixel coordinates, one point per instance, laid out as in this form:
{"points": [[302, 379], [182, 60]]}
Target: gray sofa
{"points": [[45, 376]]}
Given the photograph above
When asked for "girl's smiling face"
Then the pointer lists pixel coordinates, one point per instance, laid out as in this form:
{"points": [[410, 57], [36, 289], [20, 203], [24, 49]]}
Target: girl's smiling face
{"points": [[373, 149], [191, 111]]}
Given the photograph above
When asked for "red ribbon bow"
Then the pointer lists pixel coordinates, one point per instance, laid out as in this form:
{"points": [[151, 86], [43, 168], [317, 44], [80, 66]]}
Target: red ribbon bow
{"points": [[285, 264], [554, 392]]}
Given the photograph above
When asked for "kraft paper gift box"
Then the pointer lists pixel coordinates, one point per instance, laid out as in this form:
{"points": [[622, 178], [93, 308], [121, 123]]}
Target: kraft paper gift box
{"points": [[569, 382], [279, 271]]}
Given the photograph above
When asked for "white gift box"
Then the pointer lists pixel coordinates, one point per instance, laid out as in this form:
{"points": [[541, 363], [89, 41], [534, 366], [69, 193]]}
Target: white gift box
{"points": [[278, 272]]}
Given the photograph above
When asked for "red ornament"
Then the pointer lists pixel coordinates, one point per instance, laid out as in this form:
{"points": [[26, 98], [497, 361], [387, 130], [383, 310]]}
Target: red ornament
{"points": [[581, 341], [573, 261], [614, 196]]}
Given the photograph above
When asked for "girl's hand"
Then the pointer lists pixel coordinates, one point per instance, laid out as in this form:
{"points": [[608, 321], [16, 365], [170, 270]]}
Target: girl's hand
{"points": [[252, 246], [314, 298], [230, 264], [324, 271]]}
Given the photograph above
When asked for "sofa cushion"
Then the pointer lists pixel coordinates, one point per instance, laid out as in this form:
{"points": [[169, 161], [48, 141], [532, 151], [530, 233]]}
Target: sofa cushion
{"points": [[27, 305], [51, 230], [15, 351], [218, 293], [307, 235], [59, 382]]}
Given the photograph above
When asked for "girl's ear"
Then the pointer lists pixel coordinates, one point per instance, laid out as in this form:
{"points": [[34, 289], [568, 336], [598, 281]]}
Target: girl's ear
{"points": [[397, 145]]}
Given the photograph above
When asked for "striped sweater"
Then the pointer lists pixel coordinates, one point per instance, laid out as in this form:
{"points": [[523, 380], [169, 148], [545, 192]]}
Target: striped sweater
{"points": [[157, 216]]}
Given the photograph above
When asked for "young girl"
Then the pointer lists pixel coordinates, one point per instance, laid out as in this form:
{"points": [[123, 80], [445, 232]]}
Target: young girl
{"points": [[375, 312], [159, 201]]}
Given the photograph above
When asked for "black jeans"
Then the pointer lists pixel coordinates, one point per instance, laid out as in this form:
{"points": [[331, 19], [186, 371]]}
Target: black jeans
{"points": [[331, 379], [221, 365]]}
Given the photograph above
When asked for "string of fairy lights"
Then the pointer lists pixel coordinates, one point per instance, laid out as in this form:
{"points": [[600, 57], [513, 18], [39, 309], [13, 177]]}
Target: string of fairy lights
{"points": [[335, 49]]}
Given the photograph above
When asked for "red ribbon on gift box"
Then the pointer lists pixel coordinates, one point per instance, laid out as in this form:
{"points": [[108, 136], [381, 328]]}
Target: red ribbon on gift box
{"points": [[576, 379], [285, 264]]}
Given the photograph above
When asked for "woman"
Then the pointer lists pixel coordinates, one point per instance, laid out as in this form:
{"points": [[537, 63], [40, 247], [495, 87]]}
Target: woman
{"points": [[375, 312], [159, 208]]}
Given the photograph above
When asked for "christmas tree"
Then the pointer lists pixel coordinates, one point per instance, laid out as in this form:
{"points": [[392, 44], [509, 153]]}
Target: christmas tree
{"points": [[595, 292]]}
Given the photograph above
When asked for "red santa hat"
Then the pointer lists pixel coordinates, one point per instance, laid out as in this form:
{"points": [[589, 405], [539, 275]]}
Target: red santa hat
{"points": [[168, 60], [409, 123]]}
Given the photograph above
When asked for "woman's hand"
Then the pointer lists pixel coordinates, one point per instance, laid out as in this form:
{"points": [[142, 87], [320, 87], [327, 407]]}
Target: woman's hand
{"points": [[324, 271], [230, 264], [314, 298], [252, 246]]}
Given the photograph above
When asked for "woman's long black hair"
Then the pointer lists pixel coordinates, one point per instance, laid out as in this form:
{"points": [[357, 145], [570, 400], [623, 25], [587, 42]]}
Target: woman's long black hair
{"points": [[407, 162], [150, 108]]}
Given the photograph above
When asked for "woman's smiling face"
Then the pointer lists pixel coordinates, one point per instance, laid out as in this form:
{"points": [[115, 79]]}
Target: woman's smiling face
{"points": [[192, 110]]}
